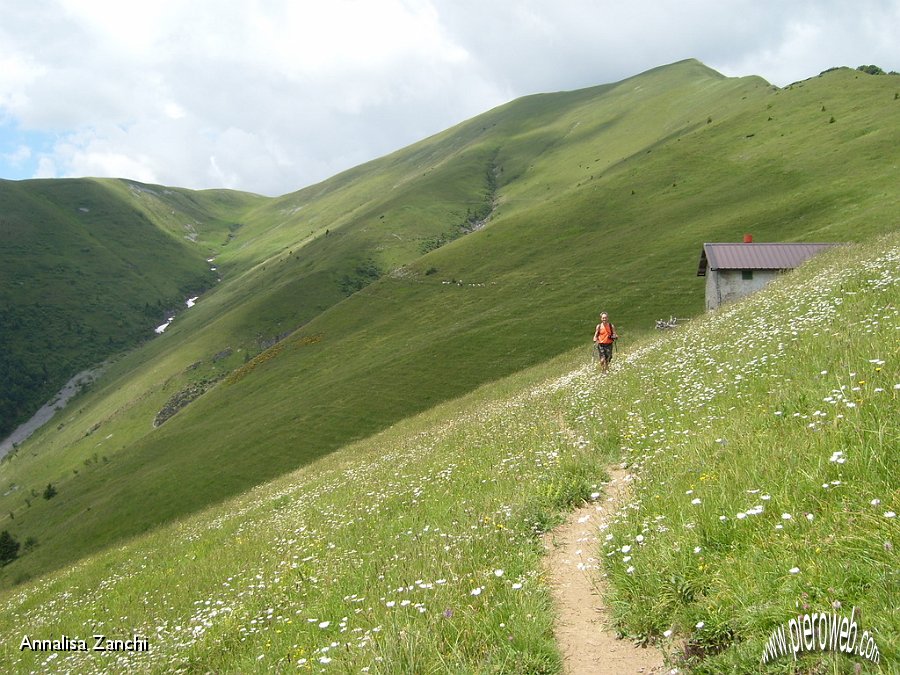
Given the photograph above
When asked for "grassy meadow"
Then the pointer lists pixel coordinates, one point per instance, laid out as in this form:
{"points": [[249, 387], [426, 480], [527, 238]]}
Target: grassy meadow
{"points": [[763, 442], [598, 199], [761, 447]]}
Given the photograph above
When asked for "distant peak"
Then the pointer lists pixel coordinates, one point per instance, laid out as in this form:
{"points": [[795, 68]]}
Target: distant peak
{"points": [[686, 65]]}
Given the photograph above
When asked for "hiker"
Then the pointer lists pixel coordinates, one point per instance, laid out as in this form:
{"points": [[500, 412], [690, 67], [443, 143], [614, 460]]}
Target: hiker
{"points": [[605, 336]]}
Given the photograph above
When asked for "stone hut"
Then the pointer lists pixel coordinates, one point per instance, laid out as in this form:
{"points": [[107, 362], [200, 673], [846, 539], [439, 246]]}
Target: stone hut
{"points": [[737, 269]]}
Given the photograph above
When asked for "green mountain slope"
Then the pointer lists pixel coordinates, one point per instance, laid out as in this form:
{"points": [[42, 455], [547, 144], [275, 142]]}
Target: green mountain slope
{"points": [[599, 198], [417, 550], [89, 268]]}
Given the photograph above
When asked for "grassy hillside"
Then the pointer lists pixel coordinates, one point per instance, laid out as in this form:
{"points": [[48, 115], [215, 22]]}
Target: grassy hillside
{"points": [[417, 551], [599, 198], [88, 268], [763, 442]]}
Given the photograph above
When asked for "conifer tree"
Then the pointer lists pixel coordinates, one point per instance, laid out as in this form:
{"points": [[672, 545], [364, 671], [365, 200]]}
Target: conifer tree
{"points": [[9, 548]]}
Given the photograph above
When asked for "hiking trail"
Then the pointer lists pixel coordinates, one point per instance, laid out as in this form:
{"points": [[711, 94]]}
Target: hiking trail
{"points": [[587, 643]]}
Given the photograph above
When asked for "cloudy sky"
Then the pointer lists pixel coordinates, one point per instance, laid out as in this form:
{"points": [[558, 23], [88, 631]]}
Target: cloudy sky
{"points": [[273, 95]]}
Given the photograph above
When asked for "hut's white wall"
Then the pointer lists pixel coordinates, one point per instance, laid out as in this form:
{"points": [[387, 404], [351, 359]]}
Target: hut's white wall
{"points": [[729, 285]]}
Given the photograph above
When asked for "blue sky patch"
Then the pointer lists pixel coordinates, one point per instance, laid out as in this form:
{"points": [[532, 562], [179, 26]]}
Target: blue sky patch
{"points": [[20, 151]]}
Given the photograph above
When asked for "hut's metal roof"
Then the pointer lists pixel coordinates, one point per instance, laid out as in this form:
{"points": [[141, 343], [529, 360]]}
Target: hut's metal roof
{"points": [[767, 256]]}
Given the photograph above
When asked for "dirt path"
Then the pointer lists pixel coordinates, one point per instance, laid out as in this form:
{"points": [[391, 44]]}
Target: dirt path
{"points": [[586, 644]]}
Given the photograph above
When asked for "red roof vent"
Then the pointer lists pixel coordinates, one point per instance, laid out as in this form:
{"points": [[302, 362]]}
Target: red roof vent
{"points": [[748, 238]]}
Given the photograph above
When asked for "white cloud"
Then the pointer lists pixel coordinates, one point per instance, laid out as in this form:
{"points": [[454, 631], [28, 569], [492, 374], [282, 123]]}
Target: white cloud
{"points": [[17, 74], [18, 156], [271, 95], [173, 111], [46, 168], [818, 36], [99, 153]]}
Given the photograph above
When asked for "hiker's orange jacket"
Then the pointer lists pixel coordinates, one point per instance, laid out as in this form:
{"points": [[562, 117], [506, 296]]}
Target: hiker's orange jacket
{"points": [[604, 334]]}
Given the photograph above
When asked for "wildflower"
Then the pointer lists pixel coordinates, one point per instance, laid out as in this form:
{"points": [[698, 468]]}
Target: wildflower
{"points": [[890, 514], [741, 516], [786, 516], [630, 569], [700, 624], [695, 501], [875, 502], [448, 613], [595, 495], [625, 549], [838, 456], [697, 549], [476, 591], [324, 624], [667, 633], [516, 586], [794, 570], [390, 603], [810, 517], [639, 538]]}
